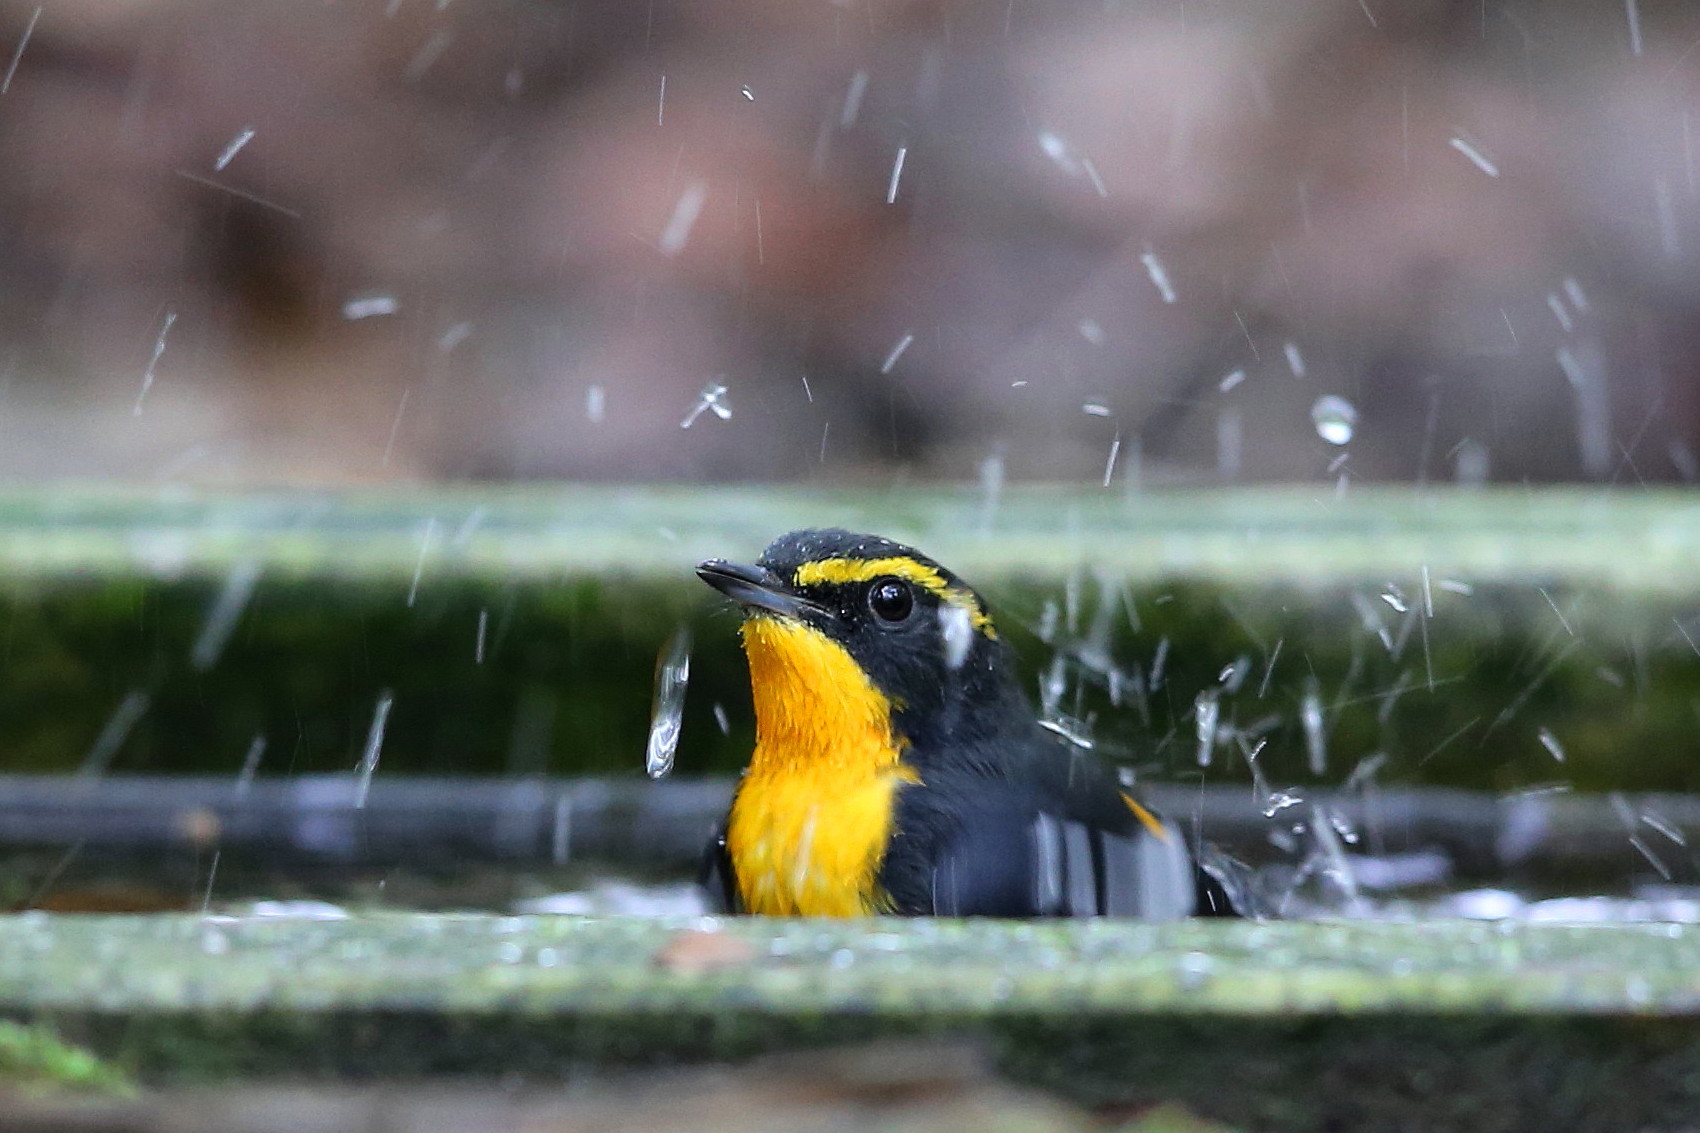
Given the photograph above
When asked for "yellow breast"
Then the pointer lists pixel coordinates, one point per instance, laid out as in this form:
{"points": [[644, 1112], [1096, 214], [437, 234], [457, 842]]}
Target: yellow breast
{"points": [[812, 817]]}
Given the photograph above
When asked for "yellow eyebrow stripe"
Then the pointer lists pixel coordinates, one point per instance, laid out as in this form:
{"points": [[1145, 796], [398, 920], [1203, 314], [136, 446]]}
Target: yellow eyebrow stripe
{"points": [[927, 578]]}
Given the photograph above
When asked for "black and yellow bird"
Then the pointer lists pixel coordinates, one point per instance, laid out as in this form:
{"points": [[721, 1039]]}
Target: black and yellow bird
{"points": [[898, 767]]}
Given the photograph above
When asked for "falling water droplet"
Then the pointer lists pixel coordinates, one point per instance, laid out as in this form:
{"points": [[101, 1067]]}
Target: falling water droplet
{"points": [[686, 209], [369, 307], [1159, 276], [242, 138], [1295, 358], [672, 674], [1335, 419], [226, 610], [374, 745], [1316, 740], [1207, 711], [712, 399], [1471, 463], [957, 629]]}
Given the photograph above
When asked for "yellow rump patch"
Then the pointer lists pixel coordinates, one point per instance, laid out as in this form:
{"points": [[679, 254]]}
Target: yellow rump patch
{"points": [[922, 575], [1151, 822], [813, 813]]}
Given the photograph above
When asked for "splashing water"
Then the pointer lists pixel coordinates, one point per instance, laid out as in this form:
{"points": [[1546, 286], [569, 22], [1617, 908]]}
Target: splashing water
{"points": [[685, 212], [1207, 712], [250, 764], [226, 610], [117, 729], [225, 157], [1159, 276], [1476, 157], [1295, 358], [1471, 463], [1316, 739], [153, 362], [711, 400], [666, 715], [374, 745], [370, 307], [991, 490], [1335, 418], [958, 634], [896, 352]]}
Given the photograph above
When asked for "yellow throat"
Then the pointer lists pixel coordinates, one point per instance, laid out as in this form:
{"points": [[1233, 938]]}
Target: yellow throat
{"points": [[812, 815]]}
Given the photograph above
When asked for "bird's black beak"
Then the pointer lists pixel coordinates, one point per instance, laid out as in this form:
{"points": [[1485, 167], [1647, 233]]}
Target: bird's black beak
{"points": [[753, 588]]}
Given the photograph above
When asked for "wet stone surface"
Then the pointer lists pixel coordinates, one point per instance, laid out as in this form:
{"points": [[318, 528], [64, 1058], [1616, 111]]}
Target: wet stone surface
{"points": [[904, 969], [1269, 1026]]}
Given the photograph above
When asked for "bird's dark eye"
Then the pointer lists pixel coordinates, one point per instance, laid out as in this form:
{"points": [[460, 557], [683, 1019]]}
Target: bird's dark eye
{"points": [[890, 600]]}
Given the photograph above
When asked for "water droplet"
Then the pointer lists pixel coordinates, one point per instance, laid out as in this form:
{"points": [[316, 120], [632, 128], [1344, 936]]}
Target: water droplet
{"points": [[1207, 712], [374, 744], [1471, 463], [1159, 276], [1335, 419], [896, 352], [1194, 970], [454, 336], [370, 306], [1477, 157], [1295, 360], [956, 627], [685, 212], [1316, 739], [711, 400], [672, 674], [1057, 149], [243, 137]]}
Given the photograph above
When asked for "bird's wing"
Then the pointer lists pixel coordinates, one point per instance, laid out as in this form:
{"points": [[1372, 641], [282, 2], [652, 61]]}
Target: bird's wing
{"points": [[1016, 861]]}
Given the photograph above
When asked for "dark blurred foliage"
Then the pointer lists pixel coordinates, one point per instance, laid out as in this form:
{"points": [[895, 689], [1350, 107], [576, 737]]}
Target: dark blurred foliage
{"points": [[1475, 221], [496, 679]]}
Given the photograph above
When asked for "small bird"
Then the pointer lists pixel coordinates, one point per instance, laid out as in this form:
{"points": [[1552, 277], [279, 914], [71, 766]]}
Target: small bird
{"points": [[898, 768]]}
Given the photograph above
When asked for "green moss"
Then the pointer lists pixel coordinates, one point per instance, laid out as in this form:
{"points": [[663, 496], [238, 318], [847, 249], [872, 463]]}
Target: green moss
{"points": [[34, 1059], [1576, 624]]}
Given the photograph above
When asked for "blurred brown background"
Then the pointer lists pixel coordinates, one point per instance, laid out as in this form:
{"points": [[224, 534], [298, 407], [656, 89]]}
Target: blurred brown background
{"points": [[519, 238]]}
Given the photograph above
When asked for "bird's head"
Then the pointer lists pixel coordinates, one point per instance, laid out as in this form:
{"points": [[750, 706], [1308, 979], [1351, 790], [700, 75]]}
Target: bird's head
{"points": [[823, 607]]}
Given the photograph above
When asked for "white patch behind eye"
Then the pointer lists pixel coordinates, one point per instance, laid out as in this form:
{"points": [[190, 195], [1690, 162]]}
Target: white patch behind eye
{"points": [[956, 625]]}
